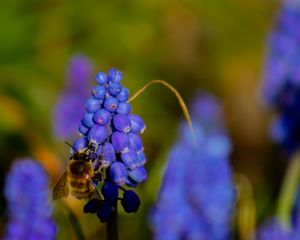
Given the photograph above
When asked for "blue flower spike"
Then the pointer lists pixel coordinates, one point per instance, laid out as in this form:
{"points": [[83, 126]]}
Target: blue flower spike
{"points": [[69, 108], [130, 201], [197, 184], [29, 208], [110, 136], [281, 83]]}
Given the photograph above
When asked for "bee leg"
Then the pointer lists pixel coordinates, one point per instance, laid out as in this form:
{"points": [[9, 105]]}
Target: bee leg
{"points": [[96, 194]]}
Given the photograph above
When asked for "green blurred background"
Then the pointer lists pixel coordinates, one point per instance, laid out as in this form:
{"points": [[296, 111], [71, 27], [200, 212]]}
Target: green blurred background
{"points": [[195, 45]]}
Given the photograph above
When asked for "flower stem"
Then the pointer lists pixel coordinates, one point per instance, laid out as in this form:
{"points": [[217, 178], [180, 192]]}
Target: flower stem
{"points": [[178, 96], [289, 190], [112, 225], [246, 212]]}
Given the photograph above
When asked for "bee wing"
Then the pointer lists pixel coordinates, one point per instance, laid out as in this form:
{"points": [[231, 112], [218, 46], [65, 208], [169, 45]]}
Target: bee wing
{"points": [[96, 193], [61, 188]]}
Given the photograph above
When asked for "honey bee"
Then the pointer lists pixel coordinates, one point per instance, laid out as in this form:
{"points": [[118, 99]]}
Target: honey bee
{"points": [[78, 178]]}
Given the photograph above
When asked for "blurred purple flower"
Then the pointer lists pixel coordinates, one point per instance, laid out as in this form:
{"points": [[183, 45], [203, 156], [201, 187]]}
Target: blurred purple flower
{"points": [[197, 197], [273, 230], [29, 209], [68, 112], [281, 85]]}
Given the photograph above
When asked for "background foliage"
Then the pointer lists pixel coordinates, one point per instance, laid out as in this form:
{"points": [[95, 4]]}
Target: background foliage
{"points": [[194, 45]]}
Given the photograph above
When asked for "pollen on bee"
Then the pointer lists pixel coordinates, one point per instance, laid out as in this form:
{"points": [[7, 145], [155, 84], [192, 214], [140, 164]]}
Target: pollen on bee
{"points": [[87, 176]]}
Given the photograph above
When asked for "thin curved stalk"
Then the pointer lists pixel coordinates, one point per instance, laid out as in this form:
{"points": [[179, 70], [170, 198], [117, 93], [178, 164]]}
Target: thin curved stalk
{"points": [[178, 96]]}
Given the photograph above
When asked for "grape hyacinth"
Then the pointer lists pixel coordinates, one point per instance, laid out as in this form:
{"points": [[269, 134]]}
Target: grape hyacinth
{"points": [[29, 209], [186, 207], [111, 133], [275, 230], [281, 86], [68, 112]]}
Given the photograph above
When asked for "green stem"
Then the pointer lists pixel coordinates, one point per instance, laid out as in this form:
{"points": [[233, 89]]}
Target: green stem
{"points": [[112, 225], [289, 190], [74, 222], [246, 211], [179, 98]]}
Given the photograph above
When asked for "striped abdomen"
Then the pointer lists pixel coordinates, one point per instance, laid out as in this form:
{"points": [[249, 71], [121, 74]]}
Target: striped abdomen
{"points": [[80, 188], [80, 173]]}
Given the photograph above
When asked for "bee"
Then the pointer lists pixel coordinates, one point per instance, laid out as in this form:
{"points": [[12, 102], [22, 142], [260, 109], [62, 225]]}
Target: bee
{"points": [[78, 178]]}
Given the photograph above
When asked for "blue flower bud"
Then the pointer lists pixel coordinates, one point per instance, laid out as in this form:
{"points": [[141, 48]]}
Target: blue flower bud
{"points": [[130, 201], [120, 142], [83, 130], [130, 159], [79, 144], [93, 104], [104, 212], [138, 174], [102, 117], [97, 134], [114, 88], [131, 183], [118, 173], [124, 108], [111, 104], [92, 206], [114, 75], [136, 142], [123, 95], [99, 92], [141, 159], [87, 120], [101, 78], [137, 123], [121, 123], [108, 154], [110, 192]]}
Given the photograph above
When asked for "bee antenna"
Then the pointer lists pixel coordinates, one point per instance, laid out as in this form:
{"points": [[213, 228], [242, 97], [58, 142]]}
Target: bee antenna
{"points": [[70, 145]]}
